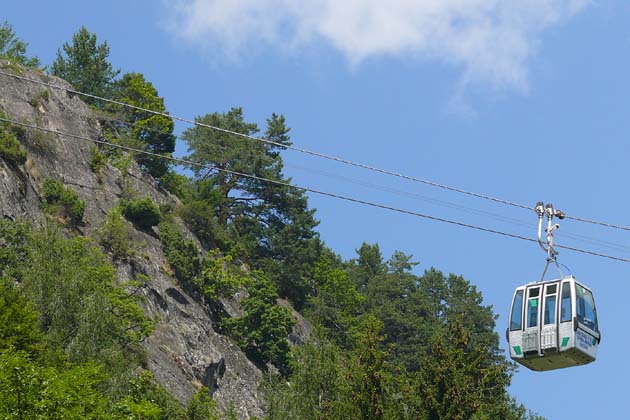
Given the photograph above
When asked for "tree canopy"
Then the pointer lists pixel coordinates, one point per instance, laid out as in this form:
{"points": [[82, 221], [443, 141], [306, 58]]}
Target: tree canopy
{"points": [[84, 63], [14, 48], [153, 133]]}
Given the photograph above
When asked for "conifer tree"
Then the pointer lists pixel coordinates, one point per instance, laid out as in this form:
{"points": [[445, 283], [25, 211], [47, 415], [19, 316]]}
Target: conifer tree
{"points": [[151, 132], [13, 48], [84, 64]]}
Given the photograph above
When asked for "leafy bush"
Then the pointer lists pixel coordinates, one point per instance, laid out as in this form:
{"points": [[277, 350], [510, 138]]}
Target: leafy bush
{"points": [[32, 391], [18, 320], [62, 200], [70, 336], [143, 212], [202, 407], [176, 184], [146, 400], [219, 277], [201, 220], [213, 276], [43, 95], [262, 332], [115, 235], [98, 161], [182, 254], [82, 310], [15, 251], [10, 148]]}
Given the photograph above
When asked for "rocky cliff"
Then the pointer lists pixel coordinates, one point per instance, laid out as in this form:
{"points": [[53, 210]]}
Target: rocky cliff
{"points": [[184, 352]]}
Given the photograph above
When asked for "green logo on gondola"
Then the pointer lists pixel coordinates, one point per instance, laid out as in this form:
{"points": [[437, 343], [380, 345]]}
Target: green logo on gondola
{"points": [[517, 350], [565, 341]]}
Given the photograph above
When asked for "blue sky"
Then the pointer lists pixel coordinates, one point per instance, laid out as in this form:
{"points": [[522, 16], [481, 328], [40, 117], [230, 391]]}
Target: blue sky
{"points": [[526, 101]]}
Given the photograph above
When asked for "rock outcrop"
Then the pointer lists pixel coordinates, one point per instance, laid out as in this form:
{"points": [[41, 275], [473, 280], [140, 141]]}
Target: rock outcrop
{"points": [[184, 352]]}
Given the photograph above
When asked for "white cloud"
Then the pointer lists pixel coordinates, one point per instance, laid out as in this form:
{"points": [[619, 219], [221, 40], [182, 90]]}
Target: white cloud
{"points": [[491, 40]]}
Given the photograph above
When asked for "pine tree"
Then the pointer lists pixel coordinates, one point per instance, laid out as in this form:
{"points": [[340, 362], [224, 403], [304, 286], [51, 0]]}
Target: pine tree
{"points": [[84, 64], [153, 133], [13, 48]]}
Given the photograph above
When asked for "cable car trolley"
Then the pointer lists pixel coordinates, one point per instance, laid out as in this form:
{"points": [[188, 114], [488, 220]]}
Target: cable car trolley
{"points": [[553, 323]]}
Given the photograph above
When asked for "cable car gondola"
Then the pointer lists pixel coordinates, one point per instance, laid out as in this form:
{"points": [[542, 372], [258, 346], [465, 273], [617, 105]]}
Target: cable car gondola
{"points": [[553, 324]]}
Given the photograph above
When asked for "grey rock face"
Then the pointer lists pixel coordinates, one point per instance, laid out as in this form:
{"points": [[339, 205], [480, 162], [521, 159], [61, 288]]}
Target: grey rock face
{"points": [[184, 352]]}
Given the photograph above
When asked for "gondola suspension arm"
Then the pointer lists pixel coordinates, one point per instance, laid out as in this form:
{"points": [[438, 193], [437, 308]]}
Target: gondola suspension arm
{"points": [[547, 244]]}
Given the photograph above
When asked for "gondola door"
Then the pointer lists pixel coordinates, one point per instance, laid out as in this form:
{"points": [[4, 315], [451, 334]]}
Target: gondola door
{"points": [[533, 310], [549, 325]]}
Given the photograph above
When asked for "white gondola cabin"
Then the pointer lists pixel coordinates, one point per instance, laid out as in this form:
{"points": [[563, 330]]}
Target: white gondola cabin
{"points": [[553, 325]]}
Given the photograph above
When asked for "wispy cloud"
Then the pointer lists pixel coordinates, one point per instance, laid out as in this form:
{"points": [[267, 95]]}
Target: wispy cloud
{"points": [[492, 41]]}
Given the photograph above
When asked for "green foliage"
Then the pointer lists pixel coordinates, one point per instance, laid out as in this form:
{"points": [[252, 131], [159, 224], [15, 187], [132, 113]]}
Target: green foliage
{"points": [[18, 320], [406, 347], [232, 414], [457, 380], [115, 236], [62, 201], [181, 253], [202, 407], [367, 376], [269, 224], [176, 184], [368, 265], [328, 383], [213, 276], [154, 133], [262, 332], [16, 252], [31, 391], [200, 218], [14, 49], [43, 95], [11, 150], [63, 325], [314, 389], [98, 160], [219, 277], [143, 213], [146, 400], [82, 311], [337, 304], [84, 64]]}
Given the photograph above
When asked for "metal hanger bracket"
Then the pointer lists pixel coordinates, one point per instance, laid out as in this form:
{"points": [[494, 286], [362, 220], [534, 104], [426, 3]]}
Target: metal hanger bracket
{"points": [[547, 244]]}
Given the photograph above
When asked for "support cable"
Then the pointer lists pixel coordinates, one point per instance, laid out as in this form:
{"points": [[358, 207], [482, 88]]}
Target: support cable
{"points": [[311, 152], [305, 189]]}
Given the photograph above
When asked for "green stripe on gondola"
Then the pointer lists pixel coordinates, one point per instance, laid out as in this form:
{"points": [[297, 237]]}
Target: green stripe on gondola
{"points": [[565, 341], [517, 350]]}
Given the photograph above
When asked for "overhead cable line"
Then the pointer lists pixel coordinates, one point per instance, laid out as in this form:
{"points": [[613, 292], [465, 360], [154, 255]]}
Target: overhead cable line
{"points": [[310, 152], [517, 222], [306, 189], [447, 204], [438, 202]]}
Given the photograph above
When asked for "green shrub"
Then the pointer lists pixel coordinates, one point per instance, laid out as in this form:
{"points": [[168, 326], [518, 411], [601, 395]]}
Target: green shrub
{"points": [[219, 277], [35, 102], [262, 332], [181, 253], [115, 236], [201, 406], [10, 148], [143, 212], [200, 219], [62, 201], [98, 161]]}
